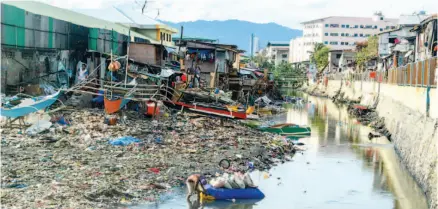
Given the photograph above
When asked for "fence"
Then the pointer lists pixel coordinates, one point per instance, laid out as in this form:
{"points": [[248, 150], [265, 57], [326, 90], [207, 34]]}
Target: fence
{"points": [[417, 74]]}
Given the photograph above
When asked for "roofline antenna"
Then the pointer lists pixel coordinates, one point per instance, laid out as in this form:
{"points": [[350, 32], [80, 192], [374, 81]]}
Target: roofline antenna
{"points": [[158, 13], [144, 6]]}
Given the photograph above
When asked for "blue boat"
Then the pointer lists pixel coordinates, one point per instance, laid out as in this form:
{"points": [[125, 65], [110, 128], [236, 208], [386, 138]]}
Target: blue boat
{"points": [[212, 193], [41, 102]]}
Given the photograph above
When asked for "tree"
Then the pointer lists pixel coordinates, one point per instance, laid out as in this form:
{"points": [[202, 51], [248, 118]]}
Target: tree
{"points": [[366, 51], [262, 62], [320, 56]]}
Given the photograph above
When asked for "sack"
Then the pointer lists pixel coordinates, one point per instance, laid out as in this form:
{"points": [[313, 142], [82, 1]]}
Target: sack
{"points": [[232, 183], [226, 183], [218, 182], [238, 178], [248, 181]]}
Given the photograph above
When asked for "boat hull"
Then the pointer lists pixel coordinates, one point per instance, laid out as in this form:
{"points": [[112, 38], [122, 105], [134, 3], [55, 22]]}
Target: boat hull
{"points": [[238, 194], [23, 111], [207, 110], [290, 131]]}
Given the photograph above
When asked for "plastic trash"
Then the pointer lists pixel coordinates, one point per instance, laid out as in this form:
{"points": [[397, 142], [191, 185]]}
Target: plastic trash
{"points": [[124, 141], [16, 186], [154, 170], [38, 128]]}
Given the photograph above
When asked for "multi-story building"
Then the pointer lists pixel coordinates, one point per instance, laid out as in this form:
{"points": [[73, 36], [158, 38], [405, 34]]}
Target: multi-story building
{"points": [[338, 33], [277, 52], [254, 45]]}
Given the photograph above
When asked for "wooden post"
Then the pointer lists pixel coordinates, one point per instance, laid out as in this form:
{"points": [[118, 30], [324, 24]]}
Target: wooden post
{"points": [[180, 40], [102, 71], [127, 56]]}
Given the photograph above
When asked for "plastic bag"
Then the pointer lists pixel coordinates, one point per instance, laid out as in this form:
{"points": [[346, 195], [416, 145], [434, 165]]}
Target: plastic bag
{"points": [[124, 141], [38, 128]]}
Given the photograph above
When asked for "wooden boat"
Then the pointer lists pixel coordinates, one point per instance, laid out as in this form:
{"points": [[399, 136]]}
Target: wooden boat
{"points": [[41, 102], [209, 109], [287, 129], [201, 103], [212, 193]]}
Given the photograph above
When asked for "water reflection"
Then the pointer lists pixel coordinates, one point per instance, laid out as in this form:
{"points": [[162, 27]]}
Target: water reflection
{"points": [[342, 168]]}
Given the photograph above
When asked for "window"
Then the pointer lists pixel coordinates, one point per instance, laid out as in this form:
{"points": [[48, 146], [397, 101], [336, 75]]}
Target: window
{"points": [[381, 18], [333, 43], [361, 35], [361, 26], [355, 35], [342, 34], [347, 34], [326, 34], [161, 36], [346, 43], [392, 27], [338, 56], [342, 43], [381, 29], [375, 27], [325, 42], [334, 25], [326, 25], [368, 26], [347, 26], [334, 34], [387, 27], [284, 56], [343, 26]]}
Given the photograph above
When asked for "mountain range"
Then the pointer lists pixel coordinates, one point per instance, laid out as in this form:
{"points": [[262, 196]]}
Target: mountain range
{"points": [[236, 32]]}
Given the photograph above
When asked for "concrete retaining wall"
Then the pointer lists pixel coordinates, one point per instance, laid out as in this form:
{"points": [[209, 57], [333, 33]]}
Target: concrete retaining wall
{"points": [[414, 135]]}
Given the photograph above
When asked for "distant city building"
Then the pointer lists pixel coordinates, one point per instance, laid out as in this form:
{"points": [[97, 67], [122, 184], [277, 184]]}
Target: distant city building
{"points": [[277, 52], [338, 33], [254, 45]]}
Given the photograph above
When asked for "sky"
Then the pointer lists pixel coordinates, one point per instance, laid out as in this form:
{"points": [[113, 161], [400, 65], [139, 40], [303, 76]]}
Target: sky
{"points": [[289, 13]]}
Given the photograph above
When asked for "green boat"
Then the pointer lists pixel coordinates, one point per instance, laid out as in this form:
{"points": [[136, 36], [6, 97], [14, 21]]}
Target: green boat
{"points": [[287, 129]]}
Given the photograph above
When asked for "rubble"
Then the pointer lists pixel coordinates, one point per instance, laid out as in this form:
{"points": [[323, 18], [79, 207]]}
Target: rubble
{"points": [[74, 165]]}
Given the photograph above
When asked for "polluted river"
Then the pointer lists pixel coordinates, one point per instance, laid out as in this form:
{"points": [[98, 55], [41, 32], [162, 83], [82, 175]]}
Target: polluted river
{"points": [[340, 168]]}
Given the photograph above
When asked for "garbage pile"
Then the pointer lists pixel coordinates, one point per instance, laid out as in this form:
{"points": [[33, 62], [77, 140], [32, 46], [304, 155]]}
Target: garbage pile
{"points": [[368, 116], [76, 160]]}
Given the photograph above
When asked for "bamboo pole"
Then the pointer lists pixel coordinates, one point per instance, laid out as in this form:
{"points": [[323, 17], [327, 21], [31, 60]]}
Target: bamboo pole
{"points": [[127, 56]]}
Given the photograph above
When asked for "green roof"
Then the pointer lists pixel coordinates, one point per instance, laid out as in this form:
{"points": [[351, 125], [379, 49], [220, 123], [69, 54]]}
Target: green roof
{"points": [[278, 43], [72, 17]]}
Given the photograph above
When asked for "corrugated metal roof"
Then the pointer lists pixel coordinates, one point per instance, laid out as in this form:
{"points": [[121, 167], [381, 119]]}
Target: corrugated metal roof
{"points": [[71, 16], [411, 19], [127, 15]]}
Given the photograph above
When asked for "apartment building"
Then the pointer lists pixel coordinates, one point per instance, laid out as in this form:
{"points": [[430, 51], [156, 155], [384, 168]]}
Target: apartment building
{"points": [[277, 52], [338, 33]]}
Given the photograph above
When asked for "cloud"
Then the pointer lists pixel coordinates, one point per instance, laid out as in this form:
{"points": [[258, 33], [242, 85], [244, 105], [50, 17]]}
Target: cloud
{"points": [[285, 12]]}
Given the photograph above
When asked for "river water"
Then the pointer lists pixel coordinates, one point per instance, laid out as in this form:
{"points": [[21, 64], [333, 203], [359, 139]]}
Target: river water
{"points": [[341, 168]]}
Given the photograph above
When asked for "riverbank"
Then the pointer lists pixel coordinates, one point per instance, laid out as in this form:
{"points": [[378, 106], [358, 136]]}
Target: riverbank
{"points": [[403, 111], [75, 166]]}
